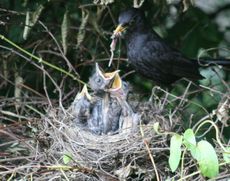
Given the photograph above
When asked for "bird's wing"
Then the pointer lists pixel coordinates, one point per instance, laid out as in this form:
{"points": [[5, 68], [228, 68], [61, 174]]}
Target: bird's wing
{"points": [[156, 53]]}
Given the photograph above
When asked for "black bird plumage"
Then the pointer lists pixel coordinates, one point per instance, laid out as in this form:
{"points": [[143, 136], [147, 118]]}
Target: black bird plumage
{"points": [[151, 56]]}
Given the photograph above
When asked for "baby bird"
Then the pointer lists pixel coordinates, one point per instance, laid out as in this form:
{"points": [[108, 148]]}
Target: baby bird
{"points": [[80, 107], [105, 113], [128, 120], [100, 80]]}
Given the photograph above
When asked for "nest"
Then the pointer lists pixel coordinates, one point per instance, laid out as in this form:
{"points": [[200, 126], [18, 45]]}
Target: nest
{"points": [[121, 156], [95, 149], [102, 157]]}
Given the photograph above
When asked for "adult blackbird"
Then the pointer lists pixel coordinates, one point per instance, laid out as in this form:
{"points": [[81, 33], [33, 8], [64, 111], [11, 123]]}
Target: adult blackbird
{"points": [[151, 56]]}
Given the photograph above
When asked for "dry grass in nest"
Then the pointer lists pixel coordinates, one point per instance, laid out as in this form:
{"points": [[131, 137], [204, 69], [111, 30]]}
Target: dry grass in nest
{"points": [[103, 157]]}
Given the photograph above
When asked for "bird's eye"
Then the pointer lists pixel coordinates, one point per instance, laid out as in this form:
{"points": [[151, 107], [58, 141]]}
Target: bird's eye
{"points": [[131, 22], [98, 80]]}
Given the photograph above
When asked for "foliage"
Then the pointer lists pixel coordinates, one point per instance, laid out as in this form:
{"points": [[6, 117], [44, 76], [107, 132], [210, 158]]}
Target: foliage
{"points": [[175, 151], [201, 151], [67, 158]]}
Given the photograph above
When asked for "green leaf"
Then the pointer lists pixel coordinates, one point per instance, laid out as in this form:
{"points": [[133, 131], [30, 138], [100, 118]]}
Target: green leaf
{"points": [[31, 19], [27, 27], [207, 159], [67, 158], [190, 141], [82, 31], [94, 19], [175, 151], [170, 179], [103, 2], [64, 31], [156, 127], [226, 155]]}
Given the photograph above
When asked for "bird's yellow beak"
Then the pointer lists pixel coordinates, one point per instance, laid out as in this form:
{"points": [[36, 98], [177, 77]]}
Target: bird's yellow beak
{"points": [[106, 75], [110, 75], [117, 83], [84, 93], [117, 32], [119, 29]]}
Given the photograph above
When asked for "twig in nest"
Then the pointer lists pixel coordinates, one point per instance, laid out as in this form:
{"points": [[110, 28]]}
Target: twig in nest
{"points": [[149, 152]]}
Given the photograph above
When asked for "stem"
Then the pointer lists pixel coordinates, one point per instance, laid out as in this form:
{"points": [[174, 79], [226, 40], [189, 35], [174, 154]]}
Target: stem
{"points": [[198, 172], [149, 152], [217, 132], [182, 163], [40, 60]]}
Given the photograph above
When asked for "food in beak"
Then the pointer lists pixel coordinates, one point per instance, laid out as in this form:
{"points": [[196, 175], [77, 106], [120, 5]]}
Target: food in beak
{"points": [[117, 33], [112, 48]]}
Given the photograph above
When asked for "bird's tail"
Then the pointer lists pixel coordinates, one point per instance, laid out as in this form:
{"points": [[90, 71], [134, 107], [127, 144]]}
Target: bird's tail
{"points": [[214, 61]]}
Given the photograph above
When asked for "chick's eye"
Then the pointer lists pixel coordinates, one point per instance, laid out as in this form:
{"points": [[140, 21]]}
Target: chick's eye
{"points": [[98, 80]]}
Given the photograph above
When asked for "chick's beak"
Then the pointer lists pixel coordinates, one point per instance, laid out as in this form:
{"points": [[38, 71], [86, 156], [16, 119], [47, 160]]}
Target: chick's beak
{"points": [[117, 32], [84, 93], [99, 71], [117, 83], [111, 75], [106, 75]]}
